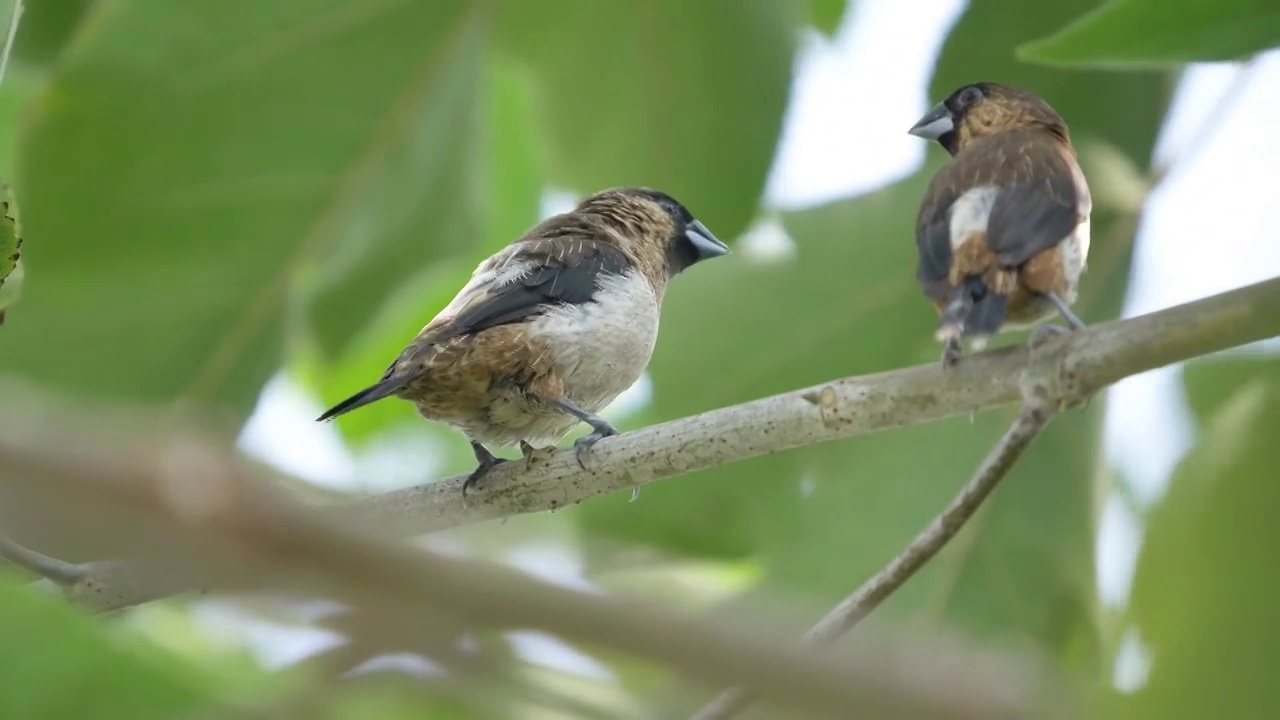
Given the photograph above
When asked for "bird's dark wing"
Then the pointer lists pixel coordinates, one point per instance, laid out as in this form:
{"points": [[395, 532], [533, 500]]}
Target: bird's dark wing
{"points": [[1040, 204], [933, 233], [563, 272]]}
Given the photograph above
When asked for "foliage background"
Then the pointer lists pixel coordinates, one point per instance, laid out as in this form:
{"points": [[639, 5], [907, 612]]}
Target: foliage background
{"points": [[220, 199]]}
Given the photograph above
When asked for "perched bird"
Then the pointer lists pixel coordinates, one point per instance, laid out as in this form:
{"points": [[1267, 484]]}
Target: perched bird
{"points": [[1003, 230], [550, 329]]}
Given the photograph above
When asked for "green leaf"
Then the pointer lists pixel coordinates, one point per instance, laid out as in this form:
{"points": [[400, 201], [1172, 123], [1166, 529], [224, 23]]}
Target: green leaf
{"points": [[18, 89], [423, 206], [56, 663], [383, 336], [1161, 33], [822, 519], [512, 183], [10, 248], [46, 29], [180, 181], [826, 14], [686, 97], [1204, 592]]}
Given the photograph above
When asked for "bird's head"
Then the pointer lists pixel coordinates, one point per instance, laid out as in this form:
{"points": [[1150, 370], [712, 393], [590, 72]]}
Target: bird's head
{"points": [[983, 109], [654, 228]]}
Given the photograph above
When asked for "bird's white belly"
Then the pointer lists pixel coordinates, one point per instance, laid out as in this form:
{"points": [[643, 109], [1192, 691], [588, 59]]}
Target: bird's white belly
{"points": [[600, 348], [1073, 252]]}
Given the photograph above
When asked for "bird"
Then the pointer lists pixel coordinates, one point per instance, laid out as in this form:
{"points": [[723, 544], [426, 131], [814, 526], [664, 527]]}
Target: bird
{"points": [[551, 328], [1002, 234]]}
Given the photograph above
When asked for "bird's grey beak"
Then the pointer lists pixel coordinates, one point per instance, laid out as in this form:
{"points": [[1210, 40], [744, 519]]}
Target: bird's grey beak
{"points": [[707, 245], [935, 123]]}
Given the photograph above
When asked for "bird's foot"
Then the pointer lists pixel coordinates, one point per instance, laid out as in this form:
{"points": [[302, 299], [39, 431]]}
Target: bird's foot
{"points": [[486, 461], [1042, 333], [582, 445], [600, 429], [951, 353], [1036, 341]]}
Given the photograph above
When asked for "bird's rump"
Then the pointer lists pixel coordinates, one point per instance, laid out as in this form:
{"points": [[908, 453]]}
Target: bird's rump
{"points": [[1006, 212]]}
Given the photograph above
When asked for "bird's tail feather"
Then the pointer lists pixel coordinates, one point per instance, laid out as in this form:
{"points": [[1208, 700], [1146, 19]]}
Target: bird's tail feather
{"points": [[972, 310], [373, 393]]}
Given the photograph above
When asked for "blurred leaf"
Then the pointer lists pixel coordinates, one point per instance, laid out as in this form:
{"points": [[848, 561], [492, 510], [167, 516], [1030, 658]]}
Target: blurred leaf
{"points": [[512, 189], [56, 663], [18, 88], [686, 97], [179, 179], [11, 289], [822, 519], [382, 337], [1159, 33], [423, 205], [46, 29], [1094, 102], [826, 14], [10, 247], [1213, 381], [1205, 589]]}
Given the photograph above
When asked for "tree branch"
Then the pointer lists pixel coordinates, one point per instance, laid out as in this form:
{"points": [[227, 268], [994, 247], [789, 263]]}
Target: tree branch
{"points": [[183, 500], [1033, 419], [58, 572], [1070, 367]]}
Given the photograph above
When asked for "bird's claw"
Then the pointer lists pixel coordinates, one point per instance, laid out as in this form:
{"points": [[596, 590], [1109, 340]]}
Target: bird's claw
{"points": [[479, 473], [1042, 333], [582, 445], [951, 354]]}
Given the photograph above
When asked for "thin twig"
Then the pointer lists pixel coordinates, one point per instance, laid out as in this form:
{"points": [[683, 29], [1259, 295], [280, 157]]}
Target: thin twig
{"points": [[1031, 421], [57, 571], [1076, 365], [9, 36]]}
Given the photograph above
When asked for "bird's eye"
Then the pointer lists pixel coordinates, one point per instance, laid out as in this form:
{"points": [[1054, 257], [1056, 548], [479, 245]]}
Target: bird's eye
{"points": [[969, 96]]}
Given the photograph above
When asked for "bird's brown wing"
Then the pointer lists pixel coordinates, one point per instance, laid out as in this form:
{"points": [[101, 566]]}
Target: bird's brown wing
{"points": [[933, 234], [1041, 206]]}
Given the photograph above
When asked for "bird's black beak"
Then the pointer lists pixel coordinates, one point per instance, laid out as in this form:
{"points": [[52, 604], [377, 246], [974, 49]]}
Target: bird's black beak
{"points": [[706, 244], [935, 123]]}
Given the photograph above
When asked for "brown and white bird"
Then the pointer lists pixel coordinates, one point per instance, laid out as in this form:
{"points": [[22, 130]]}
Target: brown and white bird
{"points": [[1003, 230], [550, 329]]}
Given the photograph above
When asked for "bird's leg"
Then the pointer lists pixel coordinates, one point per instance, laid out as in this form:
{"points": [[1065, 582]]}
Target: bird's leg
{"points": [[1074, 322], [486, 460], [600, 428], [1044, 332], [527, 451], [951, 325]]}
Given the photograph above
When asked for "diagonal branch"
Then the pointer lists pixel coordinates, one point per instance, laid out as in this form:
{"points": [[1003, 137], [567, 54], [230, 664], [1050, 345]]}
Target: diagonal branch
{"points": [[1034, 418], [1071, 367]]}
